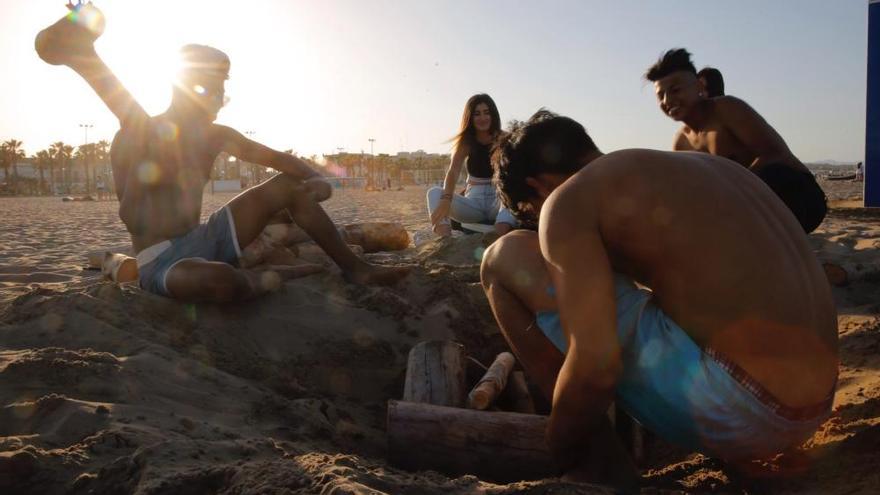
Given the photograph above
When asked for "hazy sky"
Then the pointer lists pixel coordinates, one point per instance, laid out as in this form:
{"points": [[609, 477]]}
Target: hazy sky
{"points": [[315, 76]]}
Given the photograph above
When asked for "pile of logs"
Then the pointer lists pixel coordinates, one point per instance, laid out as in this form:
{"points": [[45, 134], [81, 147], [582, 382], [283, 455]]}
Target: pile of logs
{"points": [[440, 425], [431, 428], [280, 244]]}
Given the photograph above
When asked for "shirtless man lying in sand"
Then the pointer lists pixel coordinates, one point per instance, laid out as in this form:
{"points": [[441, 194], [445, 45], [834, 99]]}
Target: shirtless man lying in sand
{"points": [[728, 345], [161, 165], [727, 126]]}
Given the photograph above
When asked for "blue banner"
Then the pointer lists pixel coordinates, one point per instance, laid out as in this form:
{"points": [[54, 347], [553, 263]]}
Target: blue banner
{"points": [[872, 109]]}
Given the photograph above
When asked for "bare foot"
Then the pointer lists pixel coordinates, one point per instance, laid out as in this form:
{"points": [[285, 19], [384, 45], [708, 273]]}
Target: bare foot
{"points": [[368, 274]]}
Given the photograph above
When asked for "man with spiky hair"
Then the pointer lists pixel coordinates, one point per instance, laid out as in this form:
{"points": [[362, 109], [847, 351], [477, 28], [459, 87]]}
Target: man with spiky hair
{"points": [[727, 126], [162, 163], [630, 291]]}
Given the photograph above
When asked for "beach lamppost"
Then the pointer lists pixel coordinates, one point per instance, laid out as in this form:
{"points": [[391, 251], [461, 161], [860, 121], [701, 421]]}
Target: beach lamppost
{"points": [[85, 154], [372, 159], [872, 109], [253, 167]]}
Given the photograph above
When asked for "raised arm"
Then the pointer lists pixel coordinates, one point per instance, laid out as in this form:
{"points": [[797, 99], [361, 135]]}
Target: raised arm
{"points": [[70, 42], [753, 131], [452, 174], [248, 150], [581, 272]]}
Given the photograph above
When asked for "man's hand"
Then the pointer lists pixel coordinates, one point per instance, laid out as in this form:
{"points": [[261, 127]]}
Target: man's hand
{"points": [[318, 188], [567, 438]]}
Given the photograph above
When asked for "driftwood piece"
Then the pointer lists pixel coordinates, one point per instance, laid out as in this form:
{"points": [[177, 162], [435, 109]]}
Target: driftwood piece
{"points": [[311, 252], [492, 383], [435, 373], [376, 236], [836, 274], [96, 258], [119, 268], [499, 446]]}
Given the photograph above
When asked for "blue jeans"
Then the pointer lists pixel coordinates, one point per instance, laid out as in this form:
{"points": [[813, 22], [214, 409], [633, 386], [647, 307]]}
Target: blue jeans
{"points": [[480, 204]]}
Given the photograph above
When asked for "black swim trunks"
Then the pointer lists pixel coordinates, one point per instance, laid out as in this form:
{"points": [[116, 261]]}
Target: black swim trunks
{"points": [[799, 191]]}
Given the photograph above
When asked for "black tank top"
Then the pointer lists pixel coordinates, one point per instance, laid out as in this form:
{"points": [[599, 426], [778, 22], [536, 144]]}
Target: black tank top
{"points": [[478, 161]]}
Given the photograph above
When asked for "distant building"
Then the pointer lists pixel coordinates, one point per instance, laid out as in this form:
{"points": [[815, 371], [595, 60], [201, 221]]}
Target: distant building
{"points": [[25, 171]]}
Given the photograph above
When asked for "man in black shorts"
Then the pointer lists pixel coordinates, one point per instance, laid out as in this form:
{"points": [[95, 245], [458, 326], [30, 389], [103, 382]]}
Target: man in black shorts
{"points": [[727, 126]]}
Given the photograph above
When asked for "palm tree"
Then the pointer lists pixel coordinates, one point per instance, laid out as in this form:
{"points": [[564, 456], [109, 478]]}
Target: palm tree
{"points": [[42, 160], [61, 154], [102, 157], [13, 150], [4, 162], [85, 154]]}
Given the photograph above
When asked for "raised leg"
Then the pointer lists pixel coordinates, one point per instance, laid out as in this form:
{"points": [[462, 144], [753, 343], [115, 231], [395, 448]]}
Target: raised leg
{"points": [[252, 209], [516, 282]]}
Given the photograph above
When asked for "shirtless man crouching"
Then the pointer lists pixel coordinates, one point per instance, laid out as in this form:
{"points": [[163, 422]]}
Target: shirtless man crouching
{"points": [[727, 346], [727, 126], [161, 165]]}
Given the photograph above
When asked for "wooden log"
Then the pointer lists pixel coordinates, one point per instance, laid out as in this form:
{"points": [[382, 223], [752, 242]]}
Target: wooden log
{"points": [[285, 234], [435, 373], [836, 274], [311, 252], [492, 383], [119, 268], [498, 446], [376, 236], [96, 258]]}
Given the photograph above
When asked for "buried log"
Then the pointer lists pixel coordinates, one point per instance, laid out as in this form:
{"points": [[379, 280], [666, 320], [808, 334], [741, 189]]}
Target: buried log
{"points": [[498, 446], [376, 236], [435, 373], [492, 383], [119, 268], [836, 274]]}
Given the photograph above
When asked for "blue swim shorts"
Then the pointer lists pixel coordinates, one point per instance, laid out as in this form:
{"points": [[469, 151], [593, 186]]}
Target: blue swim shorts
{"points": [[214, 240], [691, 396]]}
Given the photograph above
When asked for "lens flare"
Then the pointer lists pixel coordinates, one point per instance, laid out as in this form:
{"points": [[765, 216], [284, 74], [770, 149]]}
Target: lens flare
{"points": [[478, 253], [87, 16], [148, 172], [167, 131]]}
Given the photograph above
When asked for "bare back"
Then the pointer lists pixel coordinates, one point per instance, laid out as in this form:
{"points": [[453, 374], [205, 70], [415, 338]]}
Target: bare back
{"points": [[725, 259], [732, 129]]}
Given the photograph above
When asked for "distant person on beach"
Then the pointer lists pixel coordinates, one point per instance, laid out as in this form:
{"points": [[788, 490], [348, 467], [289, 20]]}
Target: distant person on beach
{"points": [[727, 126], [727, 346], [860, 173], [480, 125], [161, 165], [712, 81], [101, 188]]}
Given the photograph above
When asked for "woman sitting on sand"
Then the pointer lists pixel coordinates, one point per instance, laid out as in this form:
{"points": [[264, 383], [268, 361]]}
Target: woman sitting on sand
{"points": [[480, 125]]}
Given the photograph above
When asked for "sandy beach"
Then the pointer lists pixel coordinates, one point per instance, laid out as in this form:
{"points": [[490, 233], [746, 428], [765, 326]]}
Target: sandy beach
{"points": [[108, 389]]}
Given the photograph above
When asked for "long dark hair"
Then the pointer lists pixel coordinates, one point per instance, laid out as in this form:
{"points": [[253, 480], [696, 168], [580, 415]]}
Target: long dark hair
{"points": [[467, 134]]}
